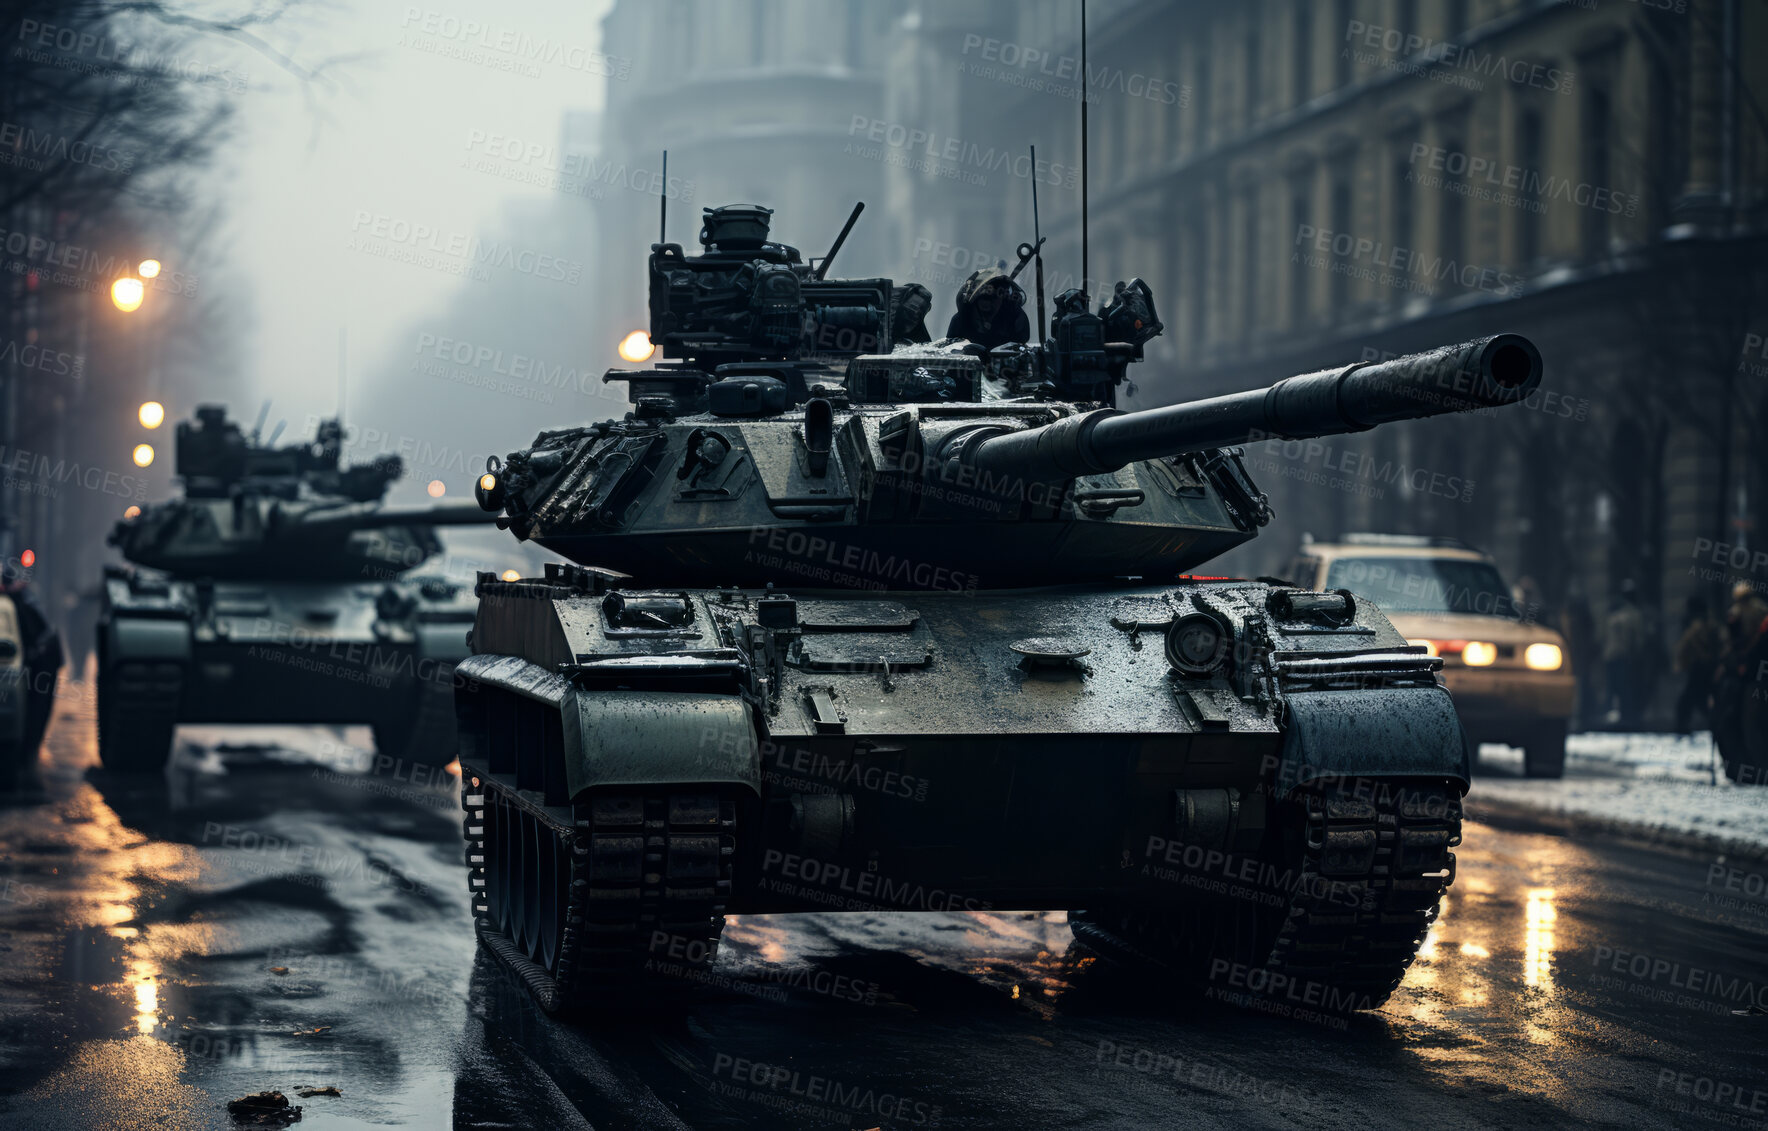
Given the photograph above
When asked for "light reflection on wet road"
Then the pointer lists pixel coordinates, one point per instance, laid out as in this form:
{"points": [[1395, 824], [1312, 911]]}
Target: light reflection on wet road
{"points": [[143, 926]]}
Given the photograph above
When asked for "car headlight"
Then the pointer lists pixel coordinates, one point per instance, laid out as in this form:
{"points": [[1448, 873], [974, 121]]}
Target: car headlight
{"points": [[1543, 657], [1429, 646], [1479, 653]]}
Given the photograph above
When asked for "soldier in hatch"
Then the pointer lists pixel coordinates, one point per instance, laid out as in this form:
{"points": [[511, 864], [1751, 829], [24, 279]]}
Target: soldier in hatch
{"points": [[909, 306], [991, 310]]}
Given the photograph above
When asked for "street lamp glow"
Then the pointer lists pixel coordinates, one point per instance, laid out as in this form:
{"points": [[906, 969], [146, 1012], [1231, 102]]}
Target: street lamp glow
{"points": [[149, 268], [132, 512], [28, 558], [126, 293], [437, 489], [512, 575], [152, 414], [143, 455], [636, 347]]}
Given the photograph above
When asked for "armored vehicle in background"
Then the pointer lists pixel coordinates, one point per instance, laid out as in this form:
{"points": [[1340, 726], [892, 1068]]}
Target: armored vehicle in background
{"points": [[881, 642], [272, 593]]}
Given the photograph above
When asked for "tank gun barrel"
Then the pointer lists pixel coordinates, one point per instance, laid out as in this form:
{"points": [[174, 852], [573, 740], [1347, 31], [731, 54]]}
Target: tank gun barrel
{"points": [[1485, 373], [333, 521]]}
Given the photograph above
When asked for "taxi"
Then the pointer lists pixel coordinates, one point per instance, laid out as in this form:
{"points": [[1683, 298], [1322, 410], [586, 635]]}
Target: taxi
{"points": [[1509, 674]]}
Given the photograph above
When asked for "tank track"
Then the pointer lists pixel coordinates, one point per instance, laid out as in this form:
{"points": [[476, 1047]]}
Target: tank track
{"points": [[425, 735], [137, 714], [1374, 865], [607, 877]]}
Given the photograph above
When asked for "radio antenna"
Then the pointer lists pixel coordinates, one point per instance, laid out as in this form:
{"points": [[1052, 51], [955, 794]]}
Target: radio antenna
{"points": [[342, 342], [822, 268], [1084, 79], [663, 203], [1037, 242]]}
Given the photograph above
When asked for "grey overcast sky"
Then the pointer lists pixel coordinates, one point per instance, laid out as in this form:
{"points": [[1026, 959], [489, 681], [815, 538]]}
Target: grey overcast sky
{"points": [[386, 137]]}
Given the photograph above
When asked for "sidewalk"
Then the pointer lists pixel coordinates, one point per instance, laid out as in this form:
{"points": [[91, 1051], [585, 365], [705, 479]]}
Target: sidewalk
{"points": [[1655, 787]]}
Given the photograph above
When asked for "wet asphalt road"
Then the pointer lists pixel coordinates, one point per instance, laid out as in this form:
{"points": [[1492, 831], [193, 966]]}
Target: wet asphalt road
{"points": [[142, 927]]}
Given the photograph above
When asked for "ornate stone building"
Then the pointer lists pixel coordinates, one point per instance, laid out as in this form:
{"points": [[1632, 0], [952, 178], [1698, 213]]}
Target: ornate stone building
{"points": [[1340, 180], [1308, 183]]}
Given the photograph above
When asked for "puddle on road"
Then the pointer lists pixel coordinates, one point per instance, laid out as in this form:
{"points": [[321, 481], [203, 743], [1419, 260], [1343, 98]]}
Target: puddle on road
{"points": [[138, 988]]}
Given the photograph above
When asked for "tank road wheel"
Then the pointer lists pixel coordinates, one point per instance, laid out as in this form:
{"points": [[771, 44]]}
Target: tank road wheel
{"points": [[1362, 871], [1543, 750], [590, 904], [137, 713], [423, 734]]}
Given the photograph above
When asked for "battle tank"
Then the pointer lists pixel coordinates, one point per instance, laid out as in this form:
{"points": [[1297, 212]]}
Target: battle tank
{"points": [[271, 592], [886, 643]]}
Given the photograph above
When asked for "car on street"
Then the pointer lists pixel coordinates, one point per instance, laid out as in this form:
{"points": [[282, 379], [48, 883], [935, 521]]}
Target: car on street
{"points": [[1510, 674]]}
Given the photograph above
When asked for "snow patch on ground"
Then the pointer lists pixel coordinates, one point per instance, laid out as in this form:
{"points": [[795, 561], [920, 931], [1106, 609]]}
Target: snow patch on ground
{"points": [[1658, 785]]}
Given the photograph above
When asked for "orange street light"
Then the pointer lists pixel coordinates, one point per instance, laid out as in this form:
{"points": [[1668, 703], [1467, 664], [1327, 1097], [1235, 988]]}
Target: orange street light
{"points": [[127, 293]]}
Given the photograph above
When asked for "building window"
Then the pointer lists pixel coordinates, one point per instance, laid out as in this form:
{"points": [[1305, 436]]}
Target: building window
{"points": [[856, 34], [1338, 294], [1175, 116], [1343, 12], [760, 29], [1254, 79], [1249, 304], [1596, 167], [1200, 100], [1528, 155], [1302, 60], [1403, 202], [1301, 278], [1200, 284], [1452, 217]]}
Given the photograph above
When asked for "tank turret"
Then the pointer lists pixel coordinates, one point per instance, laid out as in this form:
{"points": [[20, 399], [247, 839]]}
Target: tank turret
{"points": [[259, 511], [1020, 492]]}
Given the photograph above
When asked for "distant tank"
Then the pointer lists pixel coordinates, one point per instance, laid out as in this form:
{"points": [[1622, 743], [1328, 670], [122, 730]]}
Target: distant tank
{"points": [[272, 593], [861, 637]]}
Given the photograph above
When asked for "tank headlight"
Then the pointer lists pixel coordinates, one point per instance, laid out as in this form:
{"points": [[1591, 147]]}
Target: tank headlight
{"points": [[1197, 644], [1543, 657], [488, 491], [1479, 654], [636, 347], [1429, 646]]}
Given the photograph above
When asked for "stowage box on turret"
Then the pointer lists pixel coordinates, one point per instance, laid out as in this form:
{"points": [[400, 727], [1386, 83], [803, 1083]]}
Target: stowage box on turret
{"points": [[271, 593], [893, 645]]}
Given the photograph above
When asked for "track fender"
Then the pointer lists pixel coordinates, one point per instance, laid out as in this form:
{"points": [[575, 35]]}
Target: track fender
{"points": [[1384, 732], [147, 638], [650, 738]]}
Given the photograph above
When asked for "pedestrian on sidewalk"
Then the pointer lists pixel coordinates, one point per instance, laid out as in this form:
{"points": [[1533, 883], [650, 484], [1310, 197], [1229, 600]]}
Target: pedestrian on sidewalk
{"points": [[1623, 658], [1697, 658]]}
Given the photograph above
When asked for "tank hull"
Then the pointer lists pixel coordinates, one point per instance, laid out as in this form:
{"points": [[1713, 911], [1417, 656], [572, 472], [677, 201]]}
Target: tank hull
{"points": [[894, 751], [173, 651]]}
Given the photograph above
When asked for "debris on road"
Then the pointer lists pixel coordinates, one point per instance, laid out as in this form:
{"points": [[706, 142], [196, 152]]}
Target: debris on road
{"points": [[279, 970], [266, 1109], [309, 1093]]}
